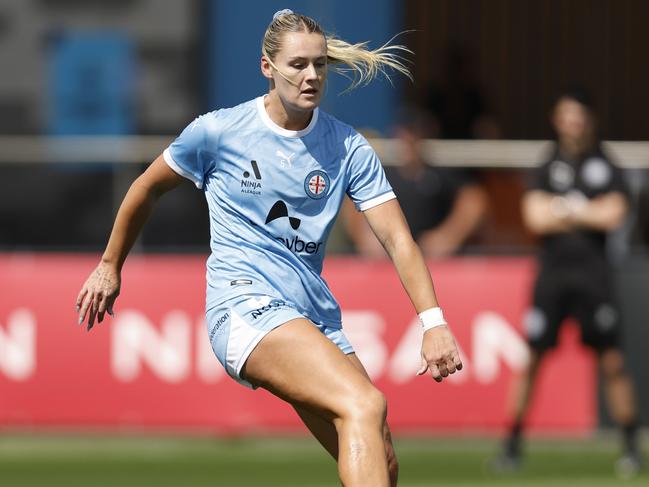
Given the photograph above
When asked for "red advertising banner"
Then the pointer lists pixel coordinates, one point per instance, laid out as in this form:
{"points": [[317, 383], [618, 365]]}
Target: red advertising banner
{"points": [[151, 365]]}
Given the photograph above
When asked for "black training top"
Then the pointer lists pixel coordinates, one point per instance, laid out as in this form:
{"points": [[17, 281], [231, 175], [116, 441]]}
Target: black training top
{"points": [[589, 176]]}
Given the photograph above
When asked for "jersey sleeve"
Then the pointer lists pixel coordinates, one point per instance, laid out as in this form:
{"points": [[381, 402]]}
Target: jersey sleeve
{"points": [[187, 155], [368, 186], [618, 182]]}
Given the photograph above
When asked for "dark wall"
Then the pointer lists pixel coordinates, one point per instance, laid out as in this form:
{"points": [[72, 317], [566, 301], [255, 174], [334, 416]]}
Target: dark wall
{"points": [[527, 50]]}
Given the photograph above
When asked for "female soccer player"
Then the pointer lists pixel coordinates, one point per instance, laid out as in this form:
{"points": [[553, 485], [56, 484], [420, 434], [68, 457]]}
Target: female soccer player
{"points": [[274, 171]]}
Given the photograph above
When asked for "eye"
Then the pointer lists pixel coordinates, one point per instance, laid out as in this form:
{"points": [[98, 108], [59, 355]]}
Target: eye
{"points": [[320, 64]]}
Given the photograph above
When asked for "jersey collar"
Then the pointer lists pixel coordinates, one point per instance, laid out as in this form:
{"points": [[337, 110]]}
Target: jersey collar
{"points": [[282, 131]]}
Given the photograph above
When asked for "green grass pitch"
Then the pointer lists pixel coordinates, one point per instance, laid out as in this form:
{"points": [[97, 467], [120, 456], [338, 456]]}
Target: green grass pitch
{"points": [[98, 461]]}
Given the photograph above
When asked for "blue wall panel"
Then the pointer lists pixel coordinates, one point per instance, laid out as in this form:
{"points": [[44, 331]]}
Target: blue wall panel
{"points": [[91, 84]]}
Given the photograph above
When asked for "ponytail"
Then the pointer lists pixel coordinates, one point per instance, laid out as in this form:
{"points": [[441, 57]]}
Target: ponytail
{"points": [[361, 65], [354, 61]]}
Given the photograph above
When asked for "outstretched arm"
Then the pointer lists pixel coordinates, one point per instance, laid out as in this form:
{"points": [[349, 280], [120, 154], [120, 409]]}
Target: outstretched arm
{"points": [[439, 352], [102, 286]]}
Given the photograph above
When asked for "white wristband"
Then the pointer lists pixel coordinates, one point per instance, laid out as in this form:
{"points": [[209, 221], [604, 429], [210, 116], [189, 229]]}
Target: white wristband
{"points": [[432, 318]]}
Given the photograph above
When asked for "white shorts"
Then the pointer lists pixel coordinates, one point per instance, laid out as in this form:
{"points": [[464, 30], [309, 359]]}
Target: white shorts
{"points": [[238, 324]]}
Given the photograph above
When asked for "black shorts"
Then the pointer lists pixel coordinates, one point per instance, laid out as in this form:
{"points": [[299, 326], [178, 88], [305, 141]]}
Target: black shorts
{"points": [[585, 295]]}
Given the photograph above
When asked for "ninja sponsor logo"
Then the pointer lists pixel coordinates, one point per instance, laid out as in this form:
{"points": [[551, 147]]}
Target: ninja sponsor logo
{"points": [[251, 186]]}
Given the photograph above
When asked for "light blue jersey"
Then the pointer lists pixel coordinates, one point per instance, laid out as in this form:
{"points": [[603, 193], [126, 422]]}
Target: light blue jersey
{"points": [[273, 195]]}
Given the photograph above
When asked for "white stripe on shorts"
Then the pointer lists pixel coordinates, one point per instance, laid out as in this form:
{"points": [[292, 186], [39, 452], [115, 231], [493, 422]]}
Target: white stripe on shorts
{"points": [[241, 342]]}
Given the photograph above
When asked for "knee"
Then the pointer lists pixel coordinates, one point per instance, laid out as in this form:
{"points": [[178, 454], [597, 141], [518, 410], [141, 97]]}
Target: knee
{"points": [[367, 405], [373, 406], [612, 364], [534, 362]]}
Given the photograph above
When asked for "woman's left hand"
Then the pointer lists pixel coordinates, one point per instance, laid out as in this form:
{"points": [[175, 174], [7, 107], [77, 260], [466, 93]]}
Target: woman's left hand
{"points": [[439, 353]]}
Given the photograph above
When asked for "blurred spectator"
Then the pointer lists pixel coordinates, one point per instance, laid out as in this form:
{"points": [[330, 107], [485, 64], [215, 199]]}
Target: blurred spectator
{"points": [[456, 100], [443, 206], [577, 198]]}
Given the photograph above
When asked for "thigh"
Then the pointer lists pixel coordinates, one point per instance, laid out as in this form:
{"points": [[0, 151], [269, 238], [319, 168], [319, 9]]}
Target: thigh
{"points": [[547, 312], [598, 314], [297, 363], [324, 430], [236, 325]]}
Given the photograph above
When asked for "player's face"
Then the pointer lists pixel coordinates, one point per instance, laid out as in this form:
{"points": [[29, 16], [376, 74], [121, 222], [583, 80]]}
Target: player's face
{"points": [[570, 119], [303, 60]]}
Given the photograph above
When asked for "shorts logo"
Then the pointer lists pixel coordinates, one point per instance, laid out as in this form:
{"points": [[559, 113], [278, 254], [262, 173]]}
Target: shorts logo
{"points": [[535, 323], [219, 323], [606, 317], [316, 184], [270, 304]]}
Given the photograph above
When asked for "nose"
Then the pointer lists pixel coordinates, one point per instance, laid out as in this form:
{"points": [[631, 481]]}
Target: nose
{"points": [[311, 72]]}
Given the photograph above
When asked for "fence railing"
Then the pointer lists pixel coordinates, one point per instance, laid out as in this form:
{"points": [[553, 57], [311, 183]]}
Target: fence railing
{"points": [[454, 153]]}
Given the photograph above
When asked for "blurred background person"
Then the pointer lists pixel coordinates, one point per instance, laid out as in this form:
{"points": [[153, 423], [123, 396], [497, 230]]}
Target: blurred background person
{"points": [[577, 198], [443, 206], [456, 100]]}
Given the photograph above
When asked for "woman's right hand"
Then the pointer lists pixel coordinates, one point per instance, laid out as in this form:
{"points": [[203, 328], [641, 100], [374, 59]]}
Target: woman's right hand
{"points": [[98, 294], [102, 287]]}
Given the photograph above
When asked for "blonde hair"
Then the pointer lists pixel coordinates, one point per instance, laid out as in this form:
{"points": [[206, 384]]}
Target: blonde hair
{"points": [[354, 61]]}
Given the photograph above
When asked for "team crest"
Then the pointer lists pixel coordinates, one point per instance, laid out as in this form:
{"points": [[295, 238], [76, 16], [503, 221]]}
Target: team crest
{"points": [[316, 184], [562, 175], [596, 173]]}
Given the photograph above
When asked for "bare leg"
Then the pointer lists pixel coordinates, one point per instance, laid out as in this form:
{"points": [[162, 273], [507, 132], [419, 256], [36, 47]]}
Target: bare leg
{"points": [[325, 431], [521, 393], [618, 387], [299, 364], [620, 396], [522, 390]]}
